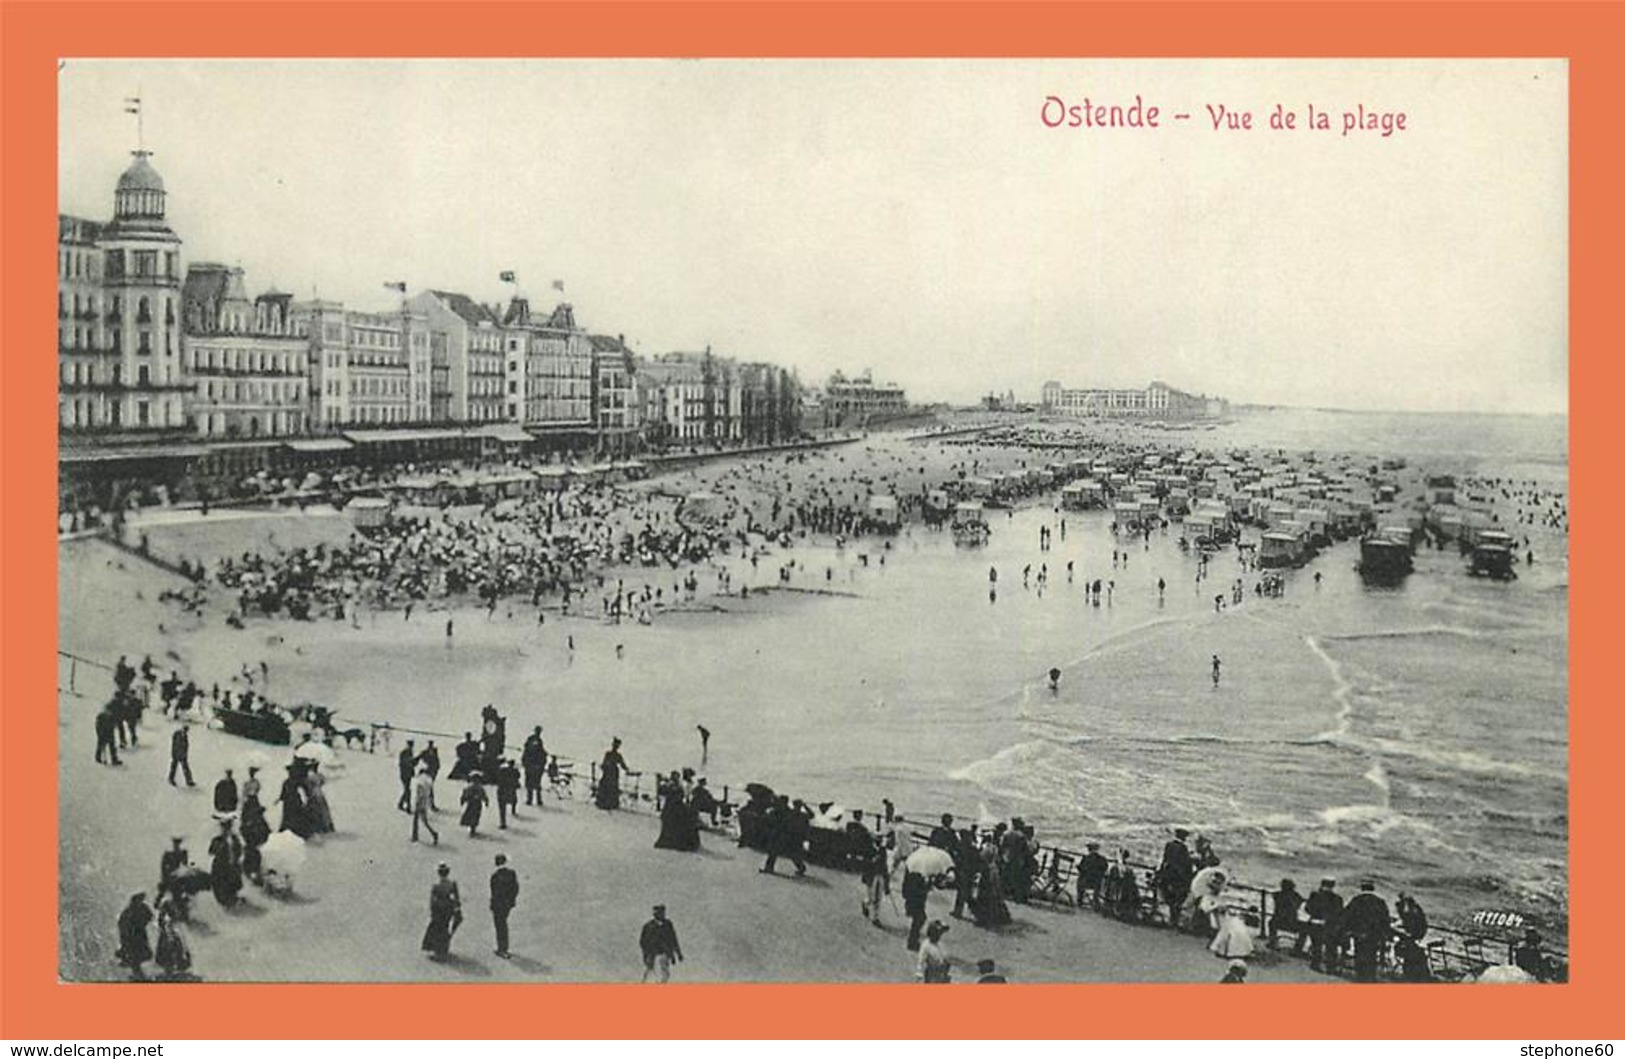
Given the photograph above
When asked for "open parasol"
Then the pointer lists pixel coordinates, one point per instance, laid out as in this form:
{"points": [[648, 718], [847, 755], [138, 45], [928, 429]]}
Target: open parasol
{"points": [[929, 861]]}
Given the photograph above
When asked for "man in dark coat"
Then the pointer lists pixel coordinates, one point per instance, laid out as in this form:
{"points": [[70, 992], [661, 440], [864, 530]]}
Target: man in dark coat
{"points": [[1367, 921], [1092, 875], [106, 729], [787, 832], [1288, 904], [658, 941], [126, 707], [534, 760], [169, 865], [406, 767], [1174, 874], [507, 784], [123, 677], [134, 947], [179, 747], [504, 895], [225, 794], [916, 888], [1325, 911], [942, 836]]}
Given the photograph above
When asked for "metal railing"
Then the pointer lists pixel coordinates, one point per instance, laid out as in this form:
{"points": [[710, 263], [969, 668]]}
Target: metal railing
{"points": [[1452, 953]]}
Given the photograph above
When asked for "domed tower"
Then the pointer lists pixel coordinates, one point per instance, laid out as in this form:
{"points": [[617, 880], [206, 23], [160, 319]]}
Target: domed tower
{"points": [[141, 275]]}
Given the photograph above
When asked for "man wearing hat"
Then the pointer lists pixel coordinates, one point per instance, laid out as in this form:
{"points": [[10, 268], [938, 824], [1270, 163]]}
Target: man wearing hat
{"points": [[504, 895], [988, 973], [1367, 921], [407, 767], [934, 967], [1235, 974], [1174, 874], [534, 760], [1530, 958], [225, 795], [1325, 911], [180, 746], [658, 940], [169, 865], [1092, 868]]}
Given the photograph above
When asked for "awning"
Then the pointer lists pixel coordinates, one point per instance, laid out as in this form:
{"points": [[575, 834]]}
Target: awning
{"points": [[502, 432], [320, 445], [559, 428], [154, 452], [380, 437]]}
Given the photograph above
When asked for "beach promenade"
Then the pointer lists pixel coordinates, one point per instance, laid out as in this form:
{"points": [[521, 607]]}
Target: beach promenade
{"points": [[588, 879]]}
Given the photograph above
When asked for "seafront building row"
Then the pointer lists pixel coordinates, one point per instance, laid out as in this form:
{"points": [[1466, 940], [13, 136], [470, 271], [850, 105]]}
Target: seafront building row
{"points": [[153, 349], [1156, 401]]}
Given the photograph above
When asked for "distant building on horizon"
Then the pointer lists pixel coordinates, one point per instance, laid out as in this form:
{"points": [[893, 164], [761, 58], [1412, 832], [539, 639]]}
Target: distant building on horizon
{"points": [[857, 400], [1156, 401]]}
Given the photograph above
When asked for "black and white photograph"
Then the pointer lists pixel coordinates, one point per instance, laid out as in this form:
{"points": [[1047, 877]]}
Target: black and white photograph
{"points": [[813, 520]]}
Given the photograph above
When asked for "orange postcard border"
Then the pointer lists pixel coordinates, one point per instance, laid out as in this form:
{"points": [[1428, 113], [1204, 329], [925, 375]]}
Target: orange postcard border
{"points": [[34, 1004]]}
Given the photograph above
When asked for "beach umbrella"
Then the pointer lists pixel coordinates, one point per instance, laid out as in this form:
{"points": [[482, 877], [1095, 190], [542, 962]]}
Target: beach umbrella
{"points": [[1505, 974], [929, 861], [320, 753], [283, 853]]}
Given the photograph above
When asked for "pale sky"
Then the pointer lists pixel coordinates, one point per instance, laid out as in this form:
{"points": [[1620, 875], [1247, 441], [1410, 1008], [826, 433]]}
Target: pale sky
{"points": [[913, 217]]}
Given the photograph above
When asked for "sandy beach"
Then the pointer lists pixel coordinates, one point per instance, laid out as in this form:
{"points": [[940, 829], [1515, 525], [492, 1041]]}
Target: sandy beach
{"points": [[588, 879]]}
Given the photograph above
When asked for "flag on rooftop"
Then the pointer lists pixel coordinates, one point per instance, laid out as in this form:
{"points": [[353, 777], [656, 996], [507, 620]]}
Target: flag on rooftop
{"points": [[507, 277], [558, 284], [399, 285]]}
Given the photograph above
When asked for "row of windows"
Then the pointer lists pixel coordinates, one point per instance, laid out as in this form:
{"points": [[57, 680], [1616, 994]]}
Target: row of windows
{"points": [[79, 373], [81, 413], [548, 386], [87, 307], [82, 338], [212, 359], [374, 414], [253, 391], [370, 386], [76, 264], [142, 264], [274, 424], [375, 339]]}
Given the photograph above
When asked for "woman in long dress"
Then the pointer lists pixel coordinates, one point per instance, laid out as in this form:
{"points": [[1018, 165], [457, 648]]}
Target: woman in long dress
{"points": [[173, 955], [225, 869], [295, 813], [445, 913], [321, 813], [474, 799], [1234, 940], [609, 777], [255, 831], [679, 824]]}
